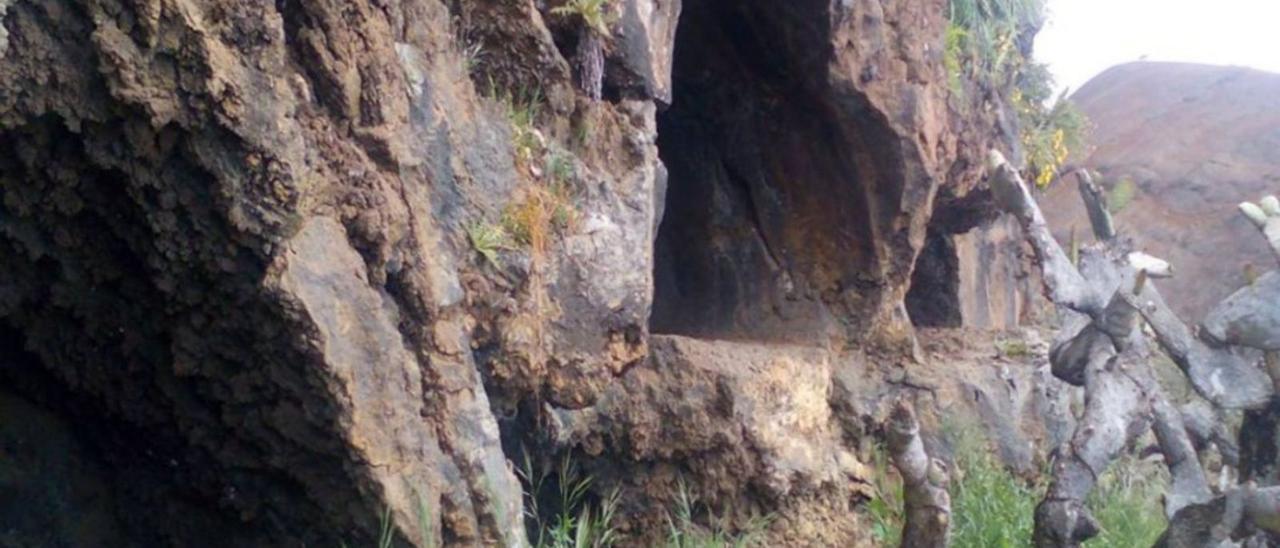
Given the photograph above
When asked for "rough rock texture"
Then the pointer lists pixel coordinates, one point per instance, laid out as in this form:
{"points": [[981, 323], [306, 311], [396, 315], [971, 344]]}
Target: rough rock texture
{"points": [[747, 427], [239, 228], [806, 145], [975, 273], [244, 241], [1195, 140], [1000, 380]]}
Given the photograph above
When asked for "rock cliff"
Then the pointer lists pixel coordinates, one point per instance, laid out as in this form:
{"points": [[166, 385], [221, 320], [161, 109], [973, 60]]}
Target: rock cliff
{"points": [[280, 267], [1178, 146]]}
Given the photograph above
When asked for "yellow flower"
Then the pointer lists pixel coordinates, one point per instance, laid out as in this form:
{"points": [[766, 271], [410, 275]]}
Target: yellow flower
{"points": [[1045, 176], [1060, 151]]}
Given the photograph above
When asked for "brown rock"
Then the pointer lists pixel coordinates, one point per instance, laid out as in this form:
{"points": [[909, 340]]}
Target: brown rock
{"points": [[1194, 140]]}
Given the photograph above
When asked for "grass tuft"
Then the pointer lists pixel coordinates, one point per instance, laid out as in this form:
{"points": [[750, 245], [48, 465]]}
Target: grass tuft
{"points": [[523, 107], [684, 532], [992, 508], [541, 210], [574, 519], [1127, 503]]}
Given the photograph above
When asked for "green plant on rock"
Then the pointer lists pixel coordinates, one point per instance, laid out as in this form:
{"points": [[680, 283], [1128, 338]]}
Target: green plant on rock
{"points": [[559, 168], [541, 210], [594, 17], [522, 106], [986, 43], [1013, 348], [953, 56], [982, 38], [488, 240]]}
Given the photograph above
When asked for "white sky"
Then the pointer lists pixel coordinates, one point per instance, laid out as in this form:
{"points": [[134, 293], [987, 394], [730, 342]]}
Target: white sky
{"points": [[1084, 37]]}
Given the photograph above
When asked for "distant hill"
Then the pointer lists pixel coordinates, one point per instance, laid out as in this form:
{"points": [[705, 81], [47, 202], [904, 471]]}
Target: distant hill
{"points": [[1187, 143]]}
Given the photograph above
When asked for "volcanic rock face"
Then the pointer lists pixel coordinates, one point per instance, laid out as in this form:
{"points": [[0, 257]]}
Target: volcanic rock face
{"points": [[1192, 141], [805, 147], [240, 245]]}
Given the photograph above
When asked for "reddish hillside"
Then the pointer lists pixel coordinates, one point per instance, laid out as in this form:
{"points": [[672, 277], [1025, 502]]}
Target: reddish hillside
{"points": [[1194, 140]]}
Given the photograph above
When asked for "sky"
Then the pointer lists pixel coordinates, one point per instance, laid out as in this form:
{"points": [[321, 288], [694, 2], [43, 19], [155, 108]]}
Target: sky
{"points": [[1084, 37]]}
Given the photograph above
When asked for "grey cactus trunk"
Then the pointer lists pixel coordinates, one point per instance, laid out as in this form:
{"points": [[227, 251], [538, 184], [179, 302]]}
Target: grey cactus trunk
{"points": [[1104, 297], [589, 63], [924, 482]]}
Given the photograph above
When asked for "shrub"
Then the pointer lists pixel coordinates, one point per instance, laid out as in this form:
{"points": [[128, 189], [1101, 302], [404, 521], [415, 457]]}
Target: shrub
{"points": [[1049, 135], [984, 35], [982, 45]]}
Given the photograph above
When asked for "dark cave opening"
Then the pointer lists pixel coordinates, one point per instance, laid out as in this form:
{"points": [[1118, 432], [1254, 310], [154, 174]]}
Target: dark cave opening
{"points": [[780, 181], [934, 297]]}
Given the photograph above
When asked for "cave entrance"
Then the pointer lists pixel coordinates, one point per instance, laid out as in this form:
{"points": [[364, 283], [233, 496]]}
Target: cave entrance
{"points": [[778, 180], [933, 299]]}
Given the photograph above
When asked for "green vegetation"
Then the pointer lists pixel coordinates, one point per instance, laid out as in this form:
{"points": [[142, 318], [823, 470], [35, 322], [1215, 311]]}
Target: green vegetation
{"points": [[594, 14], [992, 508], [684, 532], [574, 519], [1121, 194], [488, 239], [1127, 503], [982, 38], [562, 513], [386, 533], [1049, 135], [984, 44], [886, 506], [541, 210], [523, 106], [1012, 348], [543, 207]]}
